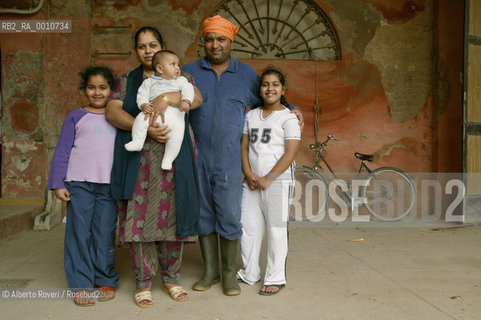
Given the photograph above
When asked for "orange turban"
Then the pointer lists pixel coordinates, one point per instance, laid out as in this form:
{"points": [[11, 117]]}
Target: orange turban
{"points": [[217, 24]]}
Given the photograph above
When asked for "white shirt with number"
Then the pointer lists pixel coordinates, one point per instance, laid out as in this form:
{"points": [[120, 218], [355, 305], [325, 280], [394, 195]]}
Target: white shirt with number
{"points": [[267, 138]]}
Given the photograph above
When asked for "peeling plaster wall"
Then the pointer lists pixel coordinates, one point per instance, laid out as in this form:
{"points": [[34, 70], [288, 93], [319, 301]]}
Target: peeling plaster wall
{"points": [[403, 54], [23, 99], [398, 43], [387, 96], [39, 88]]}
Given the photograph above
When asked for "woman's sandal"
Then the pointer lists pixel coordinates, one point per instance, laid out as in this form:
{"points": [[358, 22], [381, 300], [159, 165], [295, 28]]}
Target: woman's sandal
{"points": [[83, 298], [176, 292], [106, 293], [270, 293], [145, 295]]}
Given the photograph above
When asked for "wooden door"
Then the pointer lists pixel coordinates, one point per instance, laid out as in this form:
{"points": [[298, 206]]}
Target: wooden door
{"points": [[472, 111]]}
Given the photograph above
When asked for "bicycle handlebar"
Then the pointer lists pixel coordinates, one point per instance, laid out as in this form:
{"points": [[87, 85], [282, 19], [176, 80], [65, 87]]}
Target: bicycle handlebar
{"points": [[323, 144], [330, 137]]}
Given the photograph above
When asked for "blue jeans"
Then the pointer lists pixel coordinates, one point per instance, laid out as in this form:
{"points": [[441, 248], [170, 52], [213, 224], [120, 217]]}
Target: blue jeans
{"points": [[89, 252]]}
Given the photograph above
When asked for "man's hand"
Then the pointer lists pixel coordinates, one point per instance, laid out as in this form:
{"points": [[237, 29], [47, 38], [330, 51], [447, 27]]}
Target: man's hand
{"points": [[62, 194], [299, 116]]}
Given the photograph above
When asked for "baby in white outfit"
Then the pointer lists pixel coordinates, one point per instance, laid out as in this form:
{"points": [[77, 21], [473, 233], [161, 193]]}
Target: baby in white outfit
{"points": [[166, 79]]}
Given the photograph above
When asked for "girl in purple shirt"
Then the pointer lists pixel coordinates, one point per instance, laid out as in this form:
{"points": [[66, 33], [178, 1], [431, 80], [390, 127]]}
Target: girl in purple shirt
{"points": [[80, 175]]}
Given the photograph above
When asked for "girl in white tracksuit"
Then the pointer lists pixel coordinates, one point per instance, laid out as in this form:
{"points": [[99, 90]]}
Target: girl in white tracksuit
{"points": [[269, 145]]}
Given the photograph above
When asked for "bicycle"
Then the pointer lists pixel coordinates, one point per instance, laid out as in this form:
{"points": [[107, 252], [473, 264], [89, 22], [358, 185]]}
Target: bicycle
{"points": [[387, 193]]}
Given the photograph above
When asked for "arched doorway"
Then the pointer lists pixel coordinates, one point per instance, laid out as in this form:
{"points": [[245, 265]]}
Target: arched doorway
{"points": [[292, 30]]}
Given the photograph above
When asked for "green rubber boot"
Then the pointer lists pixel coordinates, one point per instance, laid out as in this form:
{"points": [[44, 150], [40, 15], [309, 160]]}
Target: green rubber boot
{"points": [[210, 255], [228, 252]]}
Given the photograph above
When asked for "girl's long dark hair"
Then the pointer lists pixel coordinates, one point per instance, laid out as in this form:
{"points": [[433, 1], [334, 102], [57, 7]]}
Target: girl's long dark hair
{"points": [[282, 79]]}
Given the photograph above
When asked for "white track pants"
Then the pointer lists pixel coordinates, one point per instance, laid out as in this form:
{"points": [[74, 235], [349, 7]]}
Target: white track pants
{"points": [[265, 210]]}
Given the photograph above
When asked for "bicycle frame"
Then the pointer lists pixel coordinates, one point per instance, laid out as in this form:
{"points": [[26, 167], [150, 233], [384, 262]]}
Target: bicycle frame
{"points": [[381, 190], [330, 175]]}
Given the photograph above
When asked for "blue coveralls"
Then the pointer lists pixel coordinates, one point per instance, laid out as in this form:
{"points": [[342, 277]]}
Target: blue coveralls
{"points": [[217, 127]]}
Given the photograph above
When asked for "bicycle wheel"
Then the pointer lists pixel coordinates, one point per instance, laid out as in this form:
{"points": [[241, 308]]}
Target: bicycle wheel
{"points": [[390, 194], [310, 196]]}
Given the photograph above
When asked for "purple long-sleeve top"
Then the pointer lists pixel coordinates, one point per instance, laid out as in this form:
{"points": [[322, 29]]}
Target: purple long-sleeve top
{"points": [[84, 151]]}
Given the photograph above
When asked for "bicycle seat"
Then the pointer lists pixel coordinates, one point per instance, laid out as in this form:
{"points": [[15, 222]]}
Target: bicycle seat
{"points": [[364, 157]]}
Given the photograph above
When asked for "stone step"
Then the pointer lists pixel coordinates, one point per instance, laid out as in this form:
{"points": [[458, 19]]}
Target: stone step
{"points": [[18, 214]]}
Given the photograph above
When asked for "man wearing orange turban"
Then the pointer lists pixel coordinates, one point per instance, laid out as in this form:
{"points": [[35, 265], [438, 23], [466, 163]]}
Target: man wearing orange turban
{"points": [[228, 86], [217, 24]]}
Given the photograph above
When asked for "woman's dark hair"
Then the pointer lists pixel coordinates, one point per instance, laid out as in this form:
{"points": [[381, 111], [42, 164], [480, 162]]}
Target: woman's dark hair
{"points": [[105, 72], [153, 30], [282, 79]]}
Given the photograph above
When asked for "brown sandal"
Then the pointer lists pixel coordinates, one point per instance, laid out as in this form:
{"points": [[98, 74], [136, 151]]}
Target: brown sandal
{"points": [[106, 293], [83, 298]]}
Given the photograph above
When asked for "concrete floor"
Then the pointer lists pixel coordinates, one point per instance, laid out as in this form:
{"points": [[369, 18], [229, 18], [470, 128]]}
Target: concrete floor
{"points": [[394, 272]]}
